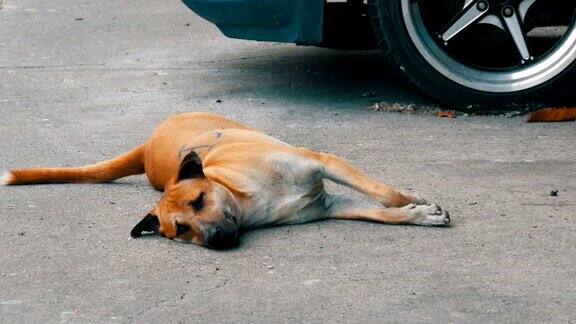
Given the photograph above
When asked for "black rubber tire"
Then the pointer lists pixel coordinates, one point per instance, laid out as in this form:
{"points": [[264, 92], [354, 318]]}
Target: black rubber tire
{"points": [[393, 38]]}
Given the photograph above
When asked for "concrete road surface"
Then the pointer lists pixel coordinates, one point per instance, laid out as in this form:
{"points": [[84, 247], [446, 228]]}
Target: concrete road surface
{"points": [[84, 81]]}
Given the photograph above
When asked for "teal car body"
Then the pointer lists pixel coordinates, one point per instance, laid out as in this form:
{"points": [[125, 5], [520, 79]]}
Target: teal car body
{"points": [[289, 21]]}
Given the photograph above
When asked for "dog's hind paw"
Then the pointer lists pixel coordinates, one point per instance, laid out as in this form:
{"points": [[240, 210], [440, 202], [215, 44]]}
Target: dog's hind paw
{"points": [[6, 178], [428, 215]]}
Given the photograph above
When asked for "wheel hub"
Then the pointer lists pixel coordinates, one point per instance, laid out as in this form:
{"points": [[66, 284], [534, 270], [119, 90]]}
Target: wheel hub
{"points": [[505, 8], [507, 15]]}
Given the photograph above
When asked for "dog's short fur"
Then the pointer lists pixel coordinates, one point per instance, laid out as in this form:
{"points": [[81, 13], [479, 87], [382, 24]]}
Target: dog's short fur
{"points": [[220, 177]]}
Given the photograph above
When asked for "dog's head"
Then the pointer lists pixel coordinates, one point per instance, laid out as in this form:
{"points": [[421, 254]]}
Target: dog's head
{"points": [[193, 209]]}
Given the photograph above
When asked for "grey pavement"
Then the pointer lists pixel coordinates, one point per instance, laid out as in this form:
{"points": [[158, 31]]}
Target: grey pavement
{"points": [[81, 82]]}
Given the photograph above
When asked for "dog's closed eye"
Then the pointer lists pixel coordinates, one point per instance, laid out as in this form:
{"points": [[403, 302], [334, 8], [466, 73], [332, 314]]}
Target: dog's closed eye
{"points": [[197, 203], [181, 229]]}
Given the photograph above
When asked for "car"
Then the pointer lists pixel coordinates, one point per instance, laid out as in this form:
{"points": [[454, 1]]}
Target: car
{"points": [[464, 53]]}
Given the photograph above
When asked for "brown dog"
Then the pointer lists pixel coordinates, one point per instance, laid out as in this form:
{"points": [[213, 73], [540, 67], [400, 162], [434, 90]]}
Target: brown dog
{"points": [[219, 177]]}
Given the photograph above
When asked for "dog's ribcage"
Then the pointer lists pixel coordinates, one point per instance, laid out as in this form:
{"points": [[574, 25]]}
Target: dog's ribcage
{"points": [[290, 191]]}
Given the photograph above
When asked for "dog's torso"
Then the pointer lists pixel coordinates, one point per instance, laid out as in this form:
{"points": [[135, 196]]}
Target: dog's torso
{"points": [[273, 181]]}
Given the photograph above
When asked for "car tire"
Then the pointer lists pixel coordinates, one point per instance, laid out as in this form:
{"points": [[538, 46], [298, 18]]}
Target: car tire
{"points": [[419, 55]]}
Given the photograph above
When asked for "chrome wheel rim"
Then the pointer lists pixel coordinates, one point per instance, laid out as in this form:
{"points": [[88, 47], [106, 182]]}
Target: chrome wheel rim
{"points": [[529, 73]]}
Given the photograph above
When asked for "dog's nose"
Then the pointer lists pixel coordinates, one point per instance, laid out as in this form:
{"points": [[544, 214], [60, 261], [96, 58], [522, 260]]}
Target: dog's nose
{"points": [[224, 236]]}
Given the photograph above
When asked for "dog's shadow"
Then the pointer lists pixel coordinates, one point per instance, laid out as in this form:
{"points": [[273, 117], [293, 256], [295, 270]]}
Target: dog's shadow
{"points": [[307, 234]]}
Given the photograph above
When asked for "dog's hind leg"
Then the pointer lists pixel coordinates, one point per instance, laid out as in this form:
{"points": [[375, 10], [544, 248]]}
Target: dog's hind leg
{"points": [[341, 172], [340, 207]]}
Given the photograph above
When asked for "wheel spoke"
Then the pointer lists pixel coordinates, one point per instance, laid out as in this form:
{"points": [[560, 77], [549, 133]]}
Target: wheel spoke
{"points": [[470, 14], [512, 22]]}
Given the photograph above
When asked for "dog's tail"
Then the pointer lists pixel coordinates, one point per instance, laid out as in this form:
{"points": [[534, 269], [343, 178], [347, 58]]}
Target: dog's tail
{"points": [[125, 165], [549, 115]]}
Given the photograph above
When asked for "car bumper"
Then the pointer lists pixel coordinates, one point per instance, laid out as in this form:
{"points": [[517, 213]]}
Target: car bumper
{"points": [[290, 21]]}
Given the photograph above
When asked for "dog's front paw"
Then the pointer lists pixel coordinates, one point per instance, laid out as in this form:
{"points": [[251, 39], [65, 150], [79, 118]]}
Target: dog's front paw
{"points": [[411, 199], [428, 215], [401, 199], [420, 201]]}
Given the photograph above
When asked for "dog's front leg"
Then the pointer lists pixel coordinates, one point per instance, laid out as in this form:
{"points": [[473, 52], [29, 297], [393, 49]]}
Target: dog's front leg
{"points": [[340, 207], [341, 172]]}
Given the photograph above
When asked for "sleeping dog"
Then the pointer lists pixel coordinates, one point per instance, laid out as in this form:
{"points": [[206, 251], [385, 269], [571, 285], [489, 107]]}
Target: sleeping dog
{"points": [[220, 177]]}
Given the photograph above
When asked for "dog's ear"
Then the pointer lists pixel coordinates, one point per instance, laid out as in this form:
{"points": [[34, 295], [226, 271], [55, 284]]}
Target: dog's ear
{"points": [[149, 223], [191, 167]]}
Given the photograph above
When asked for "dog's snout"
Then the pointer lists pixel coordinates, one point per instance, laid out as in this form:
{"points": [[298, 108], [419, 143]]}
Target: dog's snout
{"points": [[223, 236]]}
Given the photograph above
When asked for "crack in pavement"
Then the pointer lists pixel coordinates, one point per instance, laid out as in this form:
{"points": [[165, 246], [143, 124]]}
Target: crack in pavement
{"points": [[217, 286]]}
